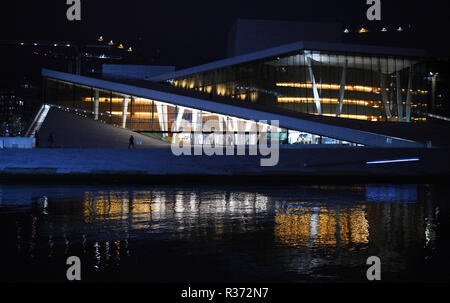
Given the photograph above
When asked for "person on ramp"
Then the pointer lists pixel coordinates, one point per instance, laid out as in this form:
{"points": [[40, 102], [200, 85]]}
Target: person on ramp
{"points": [[131, 144]]}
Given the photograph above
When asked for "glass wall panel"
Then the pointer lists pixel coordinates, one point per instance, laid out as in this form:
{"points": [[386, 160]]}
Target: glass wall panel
{"points": [[142, 114], [178, 124], [50, 91], [84, 100], [66, 93], [303, 81], [104, 106]]}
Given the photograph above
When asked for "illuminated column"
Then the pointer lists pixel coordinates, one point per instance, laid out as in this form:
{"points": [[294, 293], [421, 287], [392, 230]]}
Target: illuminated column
{"points": [[230, 136], [194, 127], [263, 132], [179, 118], [221, 136], [165, 117], [385, 97], [131, 112], [251, 128], [110, 107], [162, 117], [342, 90], [197, 126], [232, 129], [399, 99], [124, 111], [314, 86], [238, 131], [96, 104], [178, 123], [408, 96]]}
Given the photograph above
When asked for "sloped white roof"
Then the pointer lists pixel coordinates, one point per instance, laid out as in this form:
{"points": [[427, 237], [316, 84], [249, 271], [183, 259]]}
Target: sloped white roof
{"points": [[293, 47]]}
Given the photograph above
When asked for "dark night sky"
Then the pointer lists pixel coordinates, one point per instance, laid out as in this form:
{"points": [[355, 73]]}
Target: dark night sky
{"points": [[194, 32]]}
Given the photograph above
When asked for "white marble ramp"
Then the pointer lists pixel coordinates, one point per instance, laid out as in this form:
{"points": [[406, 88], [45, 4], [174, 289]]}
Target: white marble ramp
{"points": [[71, 130]]}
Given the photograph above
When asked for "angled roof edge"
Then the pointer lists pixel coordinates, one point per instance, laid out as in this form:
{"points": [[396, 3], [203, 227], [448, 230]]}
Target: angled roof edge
{"points": [[292, 47]]}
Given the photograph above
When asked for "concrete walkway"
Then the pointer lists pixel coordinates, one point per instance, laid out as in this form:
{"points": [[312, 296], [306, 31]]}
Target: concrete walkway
{"points": [[92, 164]]}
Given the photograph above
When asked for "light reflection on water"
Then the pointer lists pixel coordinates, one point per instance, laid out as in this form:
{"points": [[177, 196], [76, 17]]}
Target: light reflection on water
{"points": [[212, 234]]}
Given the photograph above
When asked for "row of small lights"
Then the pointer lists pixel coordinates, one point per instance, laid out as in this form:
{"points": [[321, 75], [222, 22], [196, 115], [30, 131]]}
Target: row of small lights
{"points": [[55, 44], [111, 43], [363, 30], [68, 109], [100, 39]]}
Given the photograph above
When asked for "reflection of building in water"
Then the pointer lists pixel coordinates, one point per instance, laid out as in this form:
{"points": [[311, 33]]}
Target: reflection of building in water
{"points": [[389, 213], [189, 213], [335, 226], [391, 230], [431, 225], [116, 205], [299, 224], [396, 231]]}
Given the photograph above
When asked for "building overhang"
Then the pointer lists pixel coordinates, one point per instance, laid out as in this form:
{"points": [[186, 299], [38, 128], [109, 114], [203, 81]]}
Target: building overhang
{"points": [[292, 48]]}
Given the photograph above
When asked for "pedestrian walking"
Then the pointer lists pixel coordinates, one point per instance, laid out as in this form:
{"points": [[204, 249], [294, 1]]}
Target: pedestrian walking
{"points": [[131, 143]]}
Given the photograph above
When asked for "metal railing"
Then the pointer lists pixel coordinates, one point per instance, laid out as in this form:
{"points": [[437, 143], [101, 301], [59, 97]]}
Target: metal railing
{"points": [[38, 120]]}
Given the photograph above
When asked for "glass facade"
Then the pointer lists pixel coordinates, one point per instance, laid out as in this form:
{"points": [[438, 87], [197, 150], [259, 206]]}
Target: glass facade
{"points": [[172, 123], [364, 87]]}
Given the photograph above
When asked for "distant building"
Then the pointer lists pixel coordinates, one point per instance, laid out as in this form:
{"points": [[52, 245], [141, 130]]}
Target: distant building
{"points": [[142, 72], [249, 35], [16, 105]]}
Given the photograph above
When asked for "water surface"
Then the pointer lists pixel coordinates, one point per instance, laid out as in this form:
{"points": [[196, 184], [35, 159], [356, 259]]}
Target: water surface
{"points": [[308, 233]]}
